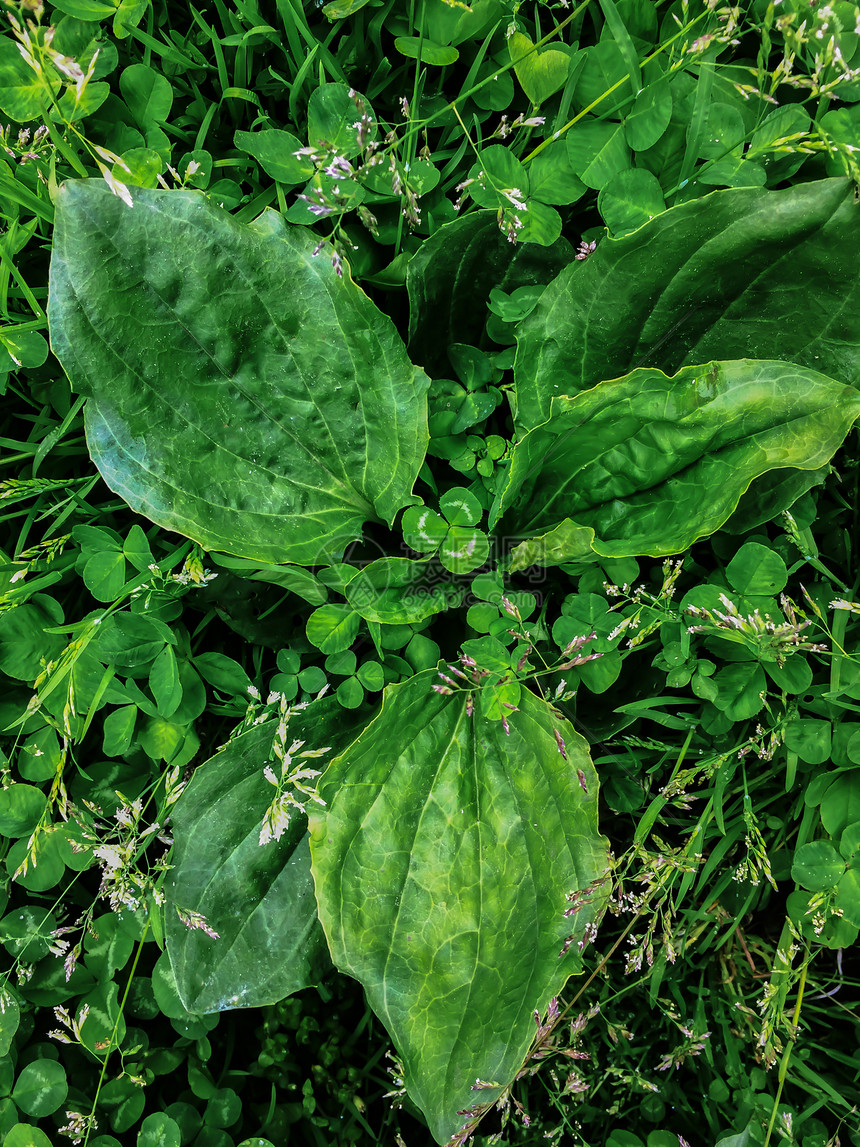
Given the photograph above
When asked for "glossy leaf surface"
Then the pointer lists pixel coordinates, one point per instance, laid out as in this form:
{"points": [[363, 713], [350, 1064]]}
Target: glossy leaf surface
{"points": [[240, 392], [441, 862], [743, 273], [258, 898], [650, 463]]}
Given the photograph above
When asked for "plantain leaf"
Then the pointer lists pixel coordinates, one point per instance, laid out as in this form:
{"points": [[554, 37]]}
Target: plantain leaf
{"points": [[742, 273], [651, 463], [442, 860], [240, 392], [258, 898]]}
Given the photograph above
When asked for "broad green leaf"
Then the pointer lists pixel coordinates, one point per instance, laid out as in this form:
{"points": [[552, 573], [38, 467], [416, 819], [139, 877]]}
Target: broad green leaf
{"points": [[600, 675], [108, 946], [313, 418], [371, 675], [464, 549], [810, 739], [24, 642], [817, 866], [338, 575], [333, 627], [565, 542], [649, 116], [496, 92], [397, 591], [104, 574], [725, 133], [40, 1088], [597, 151], [332, 118], [794, 676], [739, 690], [223, 673], [422, 653], [164, 681], [46, 868], [72, 107], [442, 860], [489, 654], [297, 580], [629, 200], [340, 9], [774, 133], [603, 69], [651, 463], [770, 494], [21, 809], [140, 166], [540, 224], [103, 1020], [732, 173], [132, 639], [427, 51], [27, 931], [23, 93], [423, 530], [128, 15], [86, 9], [147, 94], [453, 24], [80, 40], [159, 1130], [757, 569], [496, 699], [541, 71], [497, 171], [848, 897], [275, 150], [258, 898], [10, 1017], [342, 664], [476, 406], [840, 805], [551, 177], [461, 507], [350, 693], [742, 1140], [25, 1135], [136, 549], [450, 278], [22, 348], [201, 175], [716, 278], [161, 739]]}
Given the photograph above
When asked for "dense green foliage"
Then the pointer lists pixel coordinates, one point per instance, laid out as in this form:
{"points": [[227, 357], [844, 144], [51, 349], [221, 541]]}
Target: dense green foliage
{"points": [[431, 563]]}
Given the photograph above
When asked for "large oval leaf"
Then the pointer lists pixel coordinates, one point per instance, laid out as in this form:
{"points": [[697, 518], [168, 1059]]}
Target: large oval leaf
{"points": [[650, 463], [742, 273], [259, 899], [441, 863], [240, 392]]}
